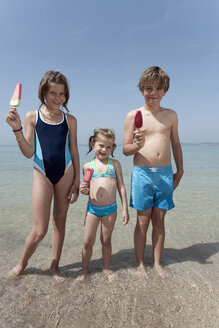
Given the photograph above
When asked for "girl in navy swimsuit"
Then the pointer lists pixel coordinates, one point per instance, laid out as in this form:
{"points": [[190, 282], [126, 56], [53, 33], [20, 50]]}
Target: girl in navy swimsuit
{"points": [[51, 137]]}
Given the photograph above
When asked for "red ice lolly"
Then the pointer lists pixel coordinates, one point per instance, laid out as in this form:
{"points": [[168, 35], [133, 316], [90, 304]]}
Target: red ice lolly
{"points": [[15, 99], [138, 119], [88, 174]]}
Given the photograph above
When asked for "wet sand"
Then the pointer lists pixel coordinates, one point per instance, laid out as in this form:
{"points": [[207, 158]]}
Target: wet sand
{"points": [[190, 298]]}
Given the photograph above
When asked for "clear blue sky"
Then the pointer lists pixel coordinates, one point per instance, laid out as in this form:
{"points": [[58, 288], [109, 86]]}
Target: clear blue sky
{"points": [[103, 47]]}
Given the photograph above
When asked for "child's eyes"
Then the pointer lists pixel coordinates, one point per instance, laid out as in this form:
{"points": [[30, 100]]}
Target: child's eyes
{"points": [[102, 146], [54, 94]]}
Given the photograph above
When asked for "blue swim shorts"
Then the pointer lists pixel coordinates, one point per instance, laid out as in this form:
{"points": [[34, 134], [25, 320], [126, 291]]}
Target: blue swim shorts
{"points": [[101, 210], [152, 186]]}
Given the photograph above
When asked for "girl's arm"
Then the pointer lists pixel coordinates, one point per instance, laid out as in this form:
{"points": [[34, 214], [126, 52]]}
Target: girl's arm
{"points": [[73, 147], [122, 191], [26, 143]]}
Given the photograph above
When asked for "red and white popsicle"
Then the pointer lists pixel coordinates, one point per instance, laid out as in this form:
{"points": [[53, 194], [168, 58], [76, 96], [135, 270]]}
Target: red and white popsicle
{"points": [[88, 174], [15, 99], [138, 120]]}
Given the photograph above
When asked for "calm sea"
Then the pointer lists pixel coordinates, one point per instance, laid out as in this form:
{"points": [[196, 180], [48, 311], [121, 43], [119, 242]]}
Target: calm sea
{"points": [[194, 219]]}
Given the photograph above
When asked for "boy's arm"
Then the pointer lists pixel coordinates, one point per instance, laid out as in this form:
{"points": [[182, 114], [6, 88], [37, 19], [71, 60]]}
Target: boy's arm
{"points": [[130, 148], [177, 151], [122, 191], [73, 146]]}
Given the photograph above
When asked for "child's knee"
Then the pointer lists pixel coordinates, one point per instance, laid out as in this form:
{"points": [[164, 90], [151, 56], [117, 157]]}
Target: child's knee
{"points": [[106, 242], [39, 235], [88, 244], [143, 224], [158, 222], [59, 217], [60, 227], [59, 222]]}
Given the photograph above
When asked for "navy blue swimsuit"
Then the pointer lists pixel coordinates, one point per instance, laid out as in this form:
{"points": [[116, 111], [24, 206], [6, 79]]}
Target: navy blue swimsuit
{"points": [[52, 155]]}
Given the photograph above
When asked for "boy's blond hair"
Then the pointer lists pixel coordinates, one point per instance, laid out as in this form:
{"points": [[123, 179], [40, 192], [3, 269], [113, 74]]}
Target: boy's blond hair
{"points": [[154, 75]]}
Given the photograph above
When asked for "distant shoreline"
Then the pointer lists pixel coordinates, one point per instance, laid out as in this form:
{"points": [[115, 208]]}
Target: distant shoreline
{"points": [[206, 143]]}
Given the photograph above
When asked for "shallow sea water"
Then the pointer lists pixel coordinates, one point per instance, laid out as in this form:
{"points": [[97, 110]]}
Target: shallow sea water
{"points": [[189, 298]]}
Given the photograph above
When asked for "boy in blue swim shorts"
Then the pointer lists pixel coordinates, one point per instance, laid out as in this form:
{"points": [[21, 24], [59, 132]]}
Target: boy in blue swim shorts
{"points": [[153, 180], [152, 186]]}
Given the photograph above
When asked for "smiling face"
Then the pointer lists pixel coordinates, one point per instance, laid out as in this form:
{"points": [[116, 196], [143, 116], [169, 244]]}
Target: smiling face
{"points": [[153, 94], [55, 96], [103, 147]]}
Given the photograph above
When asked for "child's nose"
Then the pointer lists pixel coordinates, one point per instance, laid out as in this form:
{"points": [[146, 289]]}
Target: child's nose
{"points": [[57, 96]]}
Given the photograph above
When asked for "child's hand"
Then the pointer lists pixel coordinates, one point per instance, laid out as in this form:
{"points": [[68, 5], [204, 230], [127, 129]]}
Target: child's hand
{"points": [[13, 119], [125, 217], [139, 138], [85, 188], [176, 179], [73, 194]]}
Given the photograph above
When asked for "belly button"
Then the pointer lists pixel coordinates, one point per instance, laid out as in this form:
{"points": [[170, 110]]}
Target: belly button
{"points": [[158, 154]]}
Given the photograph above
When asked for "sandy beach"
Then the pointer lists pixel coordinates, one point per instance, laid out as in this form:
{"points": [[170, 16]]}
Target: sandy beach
{"points": [[189, 298]]}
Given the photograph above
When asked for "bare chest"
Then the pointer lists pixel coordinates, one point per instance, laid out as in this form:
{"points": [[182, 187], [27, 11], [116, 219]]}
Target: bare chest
{"points": [[157, 124]]}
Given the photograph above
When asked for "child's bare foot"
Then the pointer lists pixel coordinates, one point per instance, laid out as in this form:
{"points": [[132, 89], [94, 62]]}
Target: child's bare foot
{"points": [[161, 271], [81, 278], [57, 275], [17, 270], [141, 273], [110, 275]]}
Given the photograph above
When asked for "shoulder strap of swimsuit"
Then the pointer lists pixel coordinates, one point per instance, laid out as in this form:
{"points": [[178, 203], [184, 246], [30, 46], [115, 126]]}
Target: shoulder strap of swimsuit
{"points": [[111, 163], [37, 116]]}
